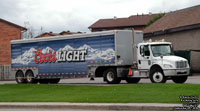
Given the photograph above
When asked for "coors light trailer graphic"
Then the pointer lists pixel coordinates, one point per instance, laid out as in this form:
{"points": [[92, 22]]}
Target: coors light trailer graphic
{"points": [[47, 60], [114, 55]]}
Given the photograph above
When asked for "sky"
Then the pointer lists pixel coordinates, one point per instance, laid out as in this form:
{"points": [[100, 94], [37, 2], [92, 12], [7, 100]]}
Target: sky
{"points": [[77, 15]]}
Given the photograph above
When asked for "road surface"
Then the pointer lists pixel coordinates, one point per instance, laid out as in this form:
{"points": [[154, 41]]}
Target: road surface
{"points": [[99, 81], [35, 109]]}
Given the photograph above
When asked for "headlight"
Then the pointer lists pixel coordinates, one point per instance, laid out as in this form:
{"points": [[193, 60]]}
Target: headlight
{"points": [[168, 66]]}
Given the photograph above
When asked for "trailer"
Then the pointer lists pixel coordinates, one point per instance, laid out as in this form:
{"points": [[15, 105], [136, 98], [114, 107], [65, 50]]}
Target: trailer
{"points": [[113, 55]]}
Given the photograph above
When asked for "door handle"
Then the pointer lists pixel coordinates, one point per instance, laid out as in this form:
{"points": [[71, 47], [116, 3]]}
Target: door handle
{"points": [[139, 61]]}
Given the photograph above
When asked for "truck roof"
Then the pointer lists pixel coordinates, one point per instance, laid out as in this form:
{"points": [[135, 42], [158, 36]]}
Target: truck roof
{"points": [[63, 37], [154, 43]]}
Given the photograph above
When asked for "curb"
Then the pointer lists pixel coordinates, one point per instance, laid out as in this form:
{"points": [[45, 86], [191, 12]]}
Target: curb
{"points": [[92, 106]]}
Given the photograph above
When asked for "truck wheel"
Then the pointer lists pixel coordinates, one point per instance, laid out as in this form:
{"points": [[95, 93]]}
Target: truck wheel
{"points": [[132, 80], [54, 81], [110, 76], [19, 77], [157, 76], [29, 77], [179, 79]]}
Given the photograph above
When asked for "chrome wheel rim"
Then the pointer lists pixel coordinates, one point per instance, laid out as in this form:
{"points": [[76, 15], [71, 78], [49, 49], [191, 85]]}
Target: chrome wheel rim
{"points": [[20, 78], [110, 76], [29, 77], [158, 77]]}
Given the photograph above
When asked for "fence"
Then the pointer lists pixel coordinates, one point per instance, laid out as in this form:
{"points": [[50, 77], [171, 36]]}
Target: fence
{"points": [[5, 72]]}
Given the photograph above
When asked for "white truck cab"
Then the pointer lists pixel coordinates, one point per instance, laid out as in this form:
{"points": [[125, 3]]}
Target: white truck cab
{"points": [[156, 60]]}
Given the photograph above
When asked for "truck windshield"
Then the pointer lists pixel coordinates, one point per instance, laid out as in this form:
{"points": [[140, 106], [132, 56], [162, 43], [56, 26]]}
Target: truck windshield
{"points": [[161, 50]]}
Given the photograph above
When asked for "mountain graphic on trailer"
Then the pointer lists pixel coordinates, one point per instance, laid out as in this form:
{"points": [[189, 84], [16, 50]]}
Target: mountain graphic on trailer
{"points": [[92, 54]]}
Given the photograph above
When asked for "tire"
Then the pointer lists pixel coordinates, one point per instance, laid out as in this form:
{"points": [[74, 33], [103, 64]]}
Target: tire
{"points": [[110, 76], [157, 76], [29, 77], [43, 81], [19, 77], [132, 80], [179, 79], [54, 81]]}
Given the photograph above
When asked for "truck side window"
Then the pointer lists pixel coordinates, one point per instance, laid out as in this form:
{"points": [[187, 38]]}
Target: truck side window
{"points": [[144, 50]]}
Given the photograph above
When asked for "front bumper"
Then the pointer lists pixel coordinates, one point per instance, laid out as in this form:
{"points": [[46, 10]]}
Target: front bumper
{"points": [[176, 72]]}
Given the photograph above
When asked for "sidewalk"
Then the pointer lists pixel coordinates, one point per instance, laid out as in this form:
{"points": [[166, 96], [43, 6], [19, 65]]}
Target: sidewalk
{"points": [[91, 106]]}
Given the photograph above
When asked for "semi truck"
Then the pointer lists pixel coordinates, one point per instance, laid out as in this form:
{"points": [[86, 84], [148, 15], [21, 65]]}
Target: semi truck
{"points": [[113, 55]]}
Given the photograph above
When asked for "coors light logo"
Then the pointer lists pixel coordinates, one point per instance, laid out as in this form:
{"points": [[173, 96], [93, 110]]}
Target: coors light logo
{"points": [[62, 56]]}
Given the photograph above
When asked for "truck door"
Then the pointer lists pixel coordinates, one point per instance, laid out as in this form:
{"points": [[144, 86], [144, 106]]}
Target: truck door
{"points": [[144, 57]]}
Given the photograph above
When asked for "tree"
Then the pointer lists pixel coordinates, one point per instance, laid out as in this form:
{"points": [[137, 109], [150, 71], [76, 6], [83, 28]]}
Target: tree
{"points": [[30, 31], [155, 19]]}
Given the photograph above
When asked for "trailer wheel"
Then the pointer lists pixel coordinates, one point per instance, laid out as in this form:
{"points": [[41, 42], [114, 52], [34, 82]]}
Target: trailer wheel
{"points": [[157, 76], [19, 77], [29, 77], [179, 79], [110, 76], [132, 80], [54, 81]]}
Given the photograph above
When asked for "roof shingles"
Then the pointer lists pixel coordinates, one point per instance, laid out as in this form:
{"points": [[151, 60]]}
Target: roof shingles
{"points": [[15, 25], [180, 18], [135, 20]]}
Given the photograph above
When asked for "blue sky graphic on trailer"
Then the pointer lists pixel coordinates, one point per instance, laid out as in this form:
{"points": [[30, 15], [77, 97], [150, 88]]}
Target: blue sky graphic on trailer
{"points": [[100, 50]]}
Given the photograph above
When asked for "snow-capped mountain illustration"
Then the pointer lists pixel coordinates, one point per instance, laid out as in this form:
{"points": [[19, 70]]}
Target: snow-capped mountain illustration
{"points": [[92, 53], [85, 46], [107, 54], [98, 54], [26, 57], [66, 48], [47, 49]]}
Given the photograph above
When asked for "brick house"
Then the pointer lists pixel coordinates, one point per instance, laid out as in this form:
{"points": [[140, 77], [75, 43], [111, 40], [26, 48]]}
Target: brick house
{"points": [[182, 28], [138, 22], [8, 31]]}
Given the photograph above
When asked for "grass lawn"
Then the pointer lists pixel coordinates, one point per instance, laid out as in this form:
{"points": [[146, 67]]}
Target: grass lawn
{"points": [[124, 93]]}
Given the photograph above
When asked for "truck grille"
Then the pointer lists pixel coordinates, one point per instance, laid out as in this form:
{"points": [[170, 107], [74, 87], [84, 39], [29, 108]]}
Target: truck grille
{"points": [[181, 64]]}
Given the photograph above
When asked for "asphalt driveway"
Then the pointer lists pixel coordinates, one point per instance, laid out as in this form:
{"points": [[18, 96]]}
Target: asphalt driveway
{"points": [[99, 81]]}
